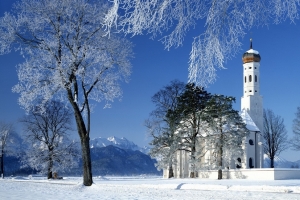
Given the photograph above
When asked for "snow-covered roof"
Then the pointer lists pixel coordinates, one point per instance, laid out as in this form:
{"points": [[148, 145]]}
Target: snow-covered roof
{"points": [[250, 125], [252, 51]]}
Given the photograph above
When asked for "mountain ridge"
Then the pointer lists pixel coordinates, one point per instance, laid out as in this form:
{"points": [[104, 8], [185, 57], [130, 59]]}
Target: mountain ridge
{"points": [[122, 143]]}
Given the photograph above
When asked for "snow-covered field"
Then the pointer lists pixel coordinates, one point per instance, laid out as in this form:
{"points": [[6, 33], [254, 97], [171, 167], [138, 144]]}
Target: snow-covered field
{"points": [[146, 188]]}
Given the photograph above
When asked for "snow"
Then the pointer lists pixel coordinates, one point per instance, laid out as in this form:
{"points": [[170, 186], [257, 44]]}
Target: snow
{"points": [[146, 188], [251, 126], [252, 51]]}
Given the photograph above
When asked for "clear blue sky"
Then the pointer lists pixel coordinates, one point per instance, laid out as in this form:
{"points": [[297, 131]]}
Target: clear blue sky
{"points": [[154, 67]]}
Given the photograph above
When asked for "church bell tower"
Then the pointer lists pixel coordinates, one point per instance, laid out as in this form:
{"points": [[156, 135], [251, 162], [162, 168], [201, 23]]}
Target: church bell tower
{"points": [[251, 102]]}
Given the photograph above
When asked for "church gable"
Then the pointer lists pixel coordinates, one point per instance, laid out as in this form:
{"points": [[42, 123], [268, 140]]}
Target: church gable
{"points": [[250, 125]]}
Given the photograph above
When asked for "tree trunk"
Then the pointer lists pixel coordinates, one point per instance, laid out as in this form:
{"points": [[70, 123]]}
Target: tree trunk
{"points": [[85, 150], [272, 162], [2, 164], [83, 133], [86, 161], [220, 174], [193, 159], [171, 173], [50, 166], [220, 157]]}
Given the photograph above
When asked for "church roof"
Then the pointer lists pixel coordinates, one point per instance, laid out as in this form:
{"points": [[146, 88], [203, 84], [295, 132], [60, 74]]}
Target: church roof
{"points": [[251, 55], [250, 125]]}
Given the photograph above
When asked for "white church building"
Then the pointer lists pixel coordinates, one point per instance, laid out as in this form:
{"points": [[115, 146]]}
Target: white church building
{"points": [[252, 109], [251, 166]]}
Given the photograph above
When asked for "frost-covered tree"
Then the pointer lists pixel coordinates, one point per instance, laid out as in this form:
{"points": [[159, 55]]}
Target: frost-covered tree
{"points": [[221, 25], [190, 108], [67, 58], [164, 145], [295, 141], [49, 148], [10, 143], [225, 132], [274, 134], [162, 125]]}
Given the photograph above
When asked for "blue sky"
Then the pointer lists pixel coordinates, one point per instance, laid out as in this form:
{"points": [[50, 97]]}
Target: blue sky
{"points": [[154, 67]]}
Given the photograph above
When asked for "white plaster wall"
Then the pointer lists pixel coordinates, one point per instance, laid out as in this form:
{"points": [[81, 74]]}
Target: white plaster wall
{"points": [[251, 88], [250, 150], [254, 174]]}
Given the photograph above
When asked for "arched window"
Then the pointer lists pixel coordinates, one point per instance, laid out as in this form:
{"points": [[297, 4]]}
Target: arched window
{"points": [[255, 78], [251, 163], [245, 79], [250, 78], [251, 142]]}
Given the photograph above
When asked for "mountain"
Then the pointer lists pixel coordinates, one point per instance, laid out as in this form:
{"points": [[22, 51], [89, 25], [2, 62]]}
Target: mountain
{"points": [[122, 143], [110, 156], [281, 163], [112, 160]]}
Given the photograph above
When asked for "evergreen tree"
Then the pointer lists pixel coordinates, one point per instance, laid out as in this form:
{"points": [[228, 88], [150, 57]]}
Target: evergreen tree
{"points": [[224, 133], [191, 105]]}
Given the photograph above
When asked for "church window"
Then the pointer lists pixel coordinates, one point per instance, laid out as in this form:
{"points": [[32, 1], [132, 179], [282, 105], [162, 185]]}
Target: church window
{"points": [[250, 78], [255, 67], [250, 90], [251, 163], [245, 79], [251, 142], [255, 78], [250, 67]]}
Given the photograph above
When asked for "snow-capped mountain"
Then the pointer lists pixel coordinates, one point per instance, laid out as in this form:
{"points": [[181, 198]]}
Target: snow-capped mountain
{"points": [[122, 143], [112, 160]]}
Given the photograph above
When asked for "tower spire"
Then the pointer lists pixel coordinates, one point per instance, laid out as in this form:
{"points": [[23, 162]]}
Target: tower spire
{"points": [[250, 43]]}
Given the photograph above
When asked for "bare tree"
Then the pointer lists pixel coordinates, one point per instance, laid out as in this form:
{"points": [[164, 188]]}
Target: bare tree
{"points": [[66, 58], [162, 124], [295, 141], [9, 142], [224, 23], [274, 134], [47, 133]]}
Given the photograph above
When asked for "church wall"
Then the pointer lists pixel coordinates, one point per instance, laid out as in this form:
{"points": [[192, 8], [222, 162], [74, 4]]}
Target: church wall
{"points": [[253, 105], [251, 78], [250, 161], [253, 174]]}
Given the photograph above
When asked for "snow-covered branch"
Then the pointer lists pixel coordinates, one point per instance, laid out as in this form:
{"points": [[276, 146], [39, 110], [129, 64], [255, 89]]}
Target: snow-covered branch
{"points": [[220, 24]]}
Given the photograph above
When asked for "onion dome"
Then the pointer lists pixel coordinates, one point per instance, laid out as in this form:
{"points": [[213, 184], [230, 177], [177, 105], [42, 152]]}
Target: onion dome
{"points": [[251, 55]]}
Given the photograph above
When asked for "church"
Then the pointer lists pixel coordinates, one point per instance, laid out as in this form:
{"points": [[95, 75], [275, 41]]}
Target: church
{"points": [[252, 114]]}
